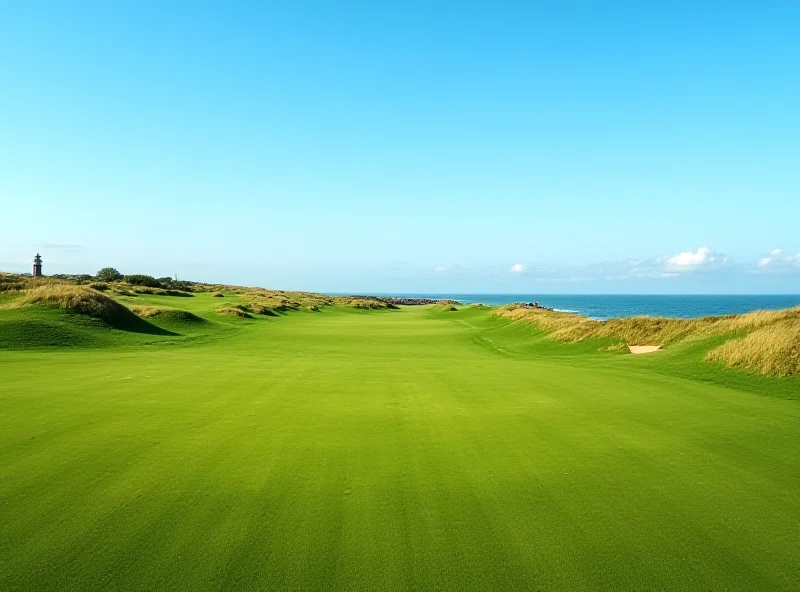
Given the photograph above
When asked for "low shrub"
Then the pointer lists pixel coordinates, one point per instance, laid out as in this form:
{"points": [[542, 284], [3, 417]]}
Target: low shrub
{"points": [[139, 279], [364, 303]]}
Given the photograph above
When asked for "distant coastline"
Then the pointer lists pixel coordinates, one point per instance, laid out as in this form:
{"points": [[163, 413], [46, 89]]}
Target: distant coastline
{"points": [[606, 306]]}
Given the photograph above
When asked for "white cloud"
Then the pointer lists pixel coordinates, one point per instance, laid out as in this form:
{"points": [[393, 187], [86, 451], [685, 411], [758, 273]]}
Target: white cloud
{"points": [[689, 260], [519, 268], [441, 268], [776, 258]]}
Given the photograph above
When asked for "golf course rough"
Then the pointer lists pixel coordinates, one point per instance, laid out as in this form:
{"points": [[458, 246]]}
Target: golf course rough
{"points": [[409, 449]]}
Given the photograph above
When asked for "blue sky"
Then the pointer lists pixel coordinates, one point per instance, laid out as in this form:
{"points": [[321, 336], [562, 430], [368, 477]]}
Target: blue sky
{"points": [[614, 147]]}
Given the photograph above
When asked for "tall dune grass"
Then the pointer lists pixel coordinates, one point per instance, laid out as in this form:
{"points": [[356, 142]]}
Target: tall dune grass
{"points": [[364, 303], [773, 350], [147, 311], [11, 282], [765, 341], [278, 300]]}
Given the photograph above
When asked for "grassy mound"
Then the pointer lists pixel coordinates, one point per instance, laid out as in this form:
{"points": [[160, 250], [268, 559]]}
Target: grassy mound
{"points": [[79, 299], [365, 303], [174, 315], [274, 301], [446, 307], [282, 301], [57, 314], [35, 327], [236, 310], [768, 339], [258, 309]]}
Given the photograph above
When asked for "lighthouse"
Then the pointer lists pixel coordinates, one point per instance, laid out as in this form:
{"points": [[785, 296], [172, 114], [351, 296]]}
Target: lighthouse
{"points": [[37, 265]]}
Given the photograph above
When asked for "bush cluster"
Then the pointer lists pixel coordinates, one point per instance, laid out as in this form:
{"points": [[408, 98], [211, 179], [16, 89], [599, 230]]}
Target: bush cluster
{"points": [[139, 279]]}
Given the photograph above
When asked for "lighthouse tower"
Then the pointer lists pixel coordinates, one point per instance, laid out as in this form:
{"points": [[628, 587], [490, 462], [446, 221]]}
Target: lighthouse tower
{"points": [[37, 265]]}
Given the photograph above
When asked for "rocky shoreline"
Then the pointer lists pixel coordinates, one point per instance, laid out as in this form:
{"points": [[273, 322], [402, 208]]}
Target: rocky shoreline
{"points": [[534, 305], [406, 301], [397, 301]]}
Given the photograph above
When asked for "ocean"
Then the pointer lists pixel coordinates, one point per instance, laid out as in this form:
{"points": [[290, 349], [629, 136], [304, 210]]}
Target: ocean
{"points": [[606, 306]]}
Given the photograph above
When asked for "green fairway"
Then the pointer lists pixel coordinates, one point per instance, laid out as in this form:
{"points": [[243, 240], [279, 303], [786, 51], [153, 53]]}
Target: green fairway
{"points": [[405, 449]]}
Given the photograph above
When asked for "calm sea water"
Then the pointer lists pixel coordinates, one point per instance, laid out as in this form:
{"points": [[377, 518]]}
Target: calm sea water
{"points": [[606, 306]]}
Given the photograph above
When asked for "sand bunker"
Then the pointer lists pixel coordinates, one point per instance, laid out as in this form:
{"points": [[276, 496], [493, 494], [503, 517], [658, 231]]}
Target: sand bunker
{"points": [[643, 349]]}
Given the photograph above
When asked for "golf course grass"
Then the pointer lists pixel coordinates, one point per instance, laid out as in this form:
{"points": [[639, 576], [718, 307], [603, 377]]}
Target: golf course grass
{"points": [[409, 449]]}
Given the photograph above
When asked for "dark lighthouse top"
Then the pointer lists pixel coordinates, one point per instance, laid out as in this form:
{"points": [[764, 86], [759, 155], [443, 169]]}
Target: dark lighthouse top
{"points": [[37, 265]]}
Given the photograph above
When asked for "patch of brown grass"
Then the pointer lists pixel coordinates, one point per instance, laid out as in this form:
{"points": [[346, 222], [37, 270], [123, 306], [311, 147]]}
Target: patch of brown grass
{"points": [[147, 311]]}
